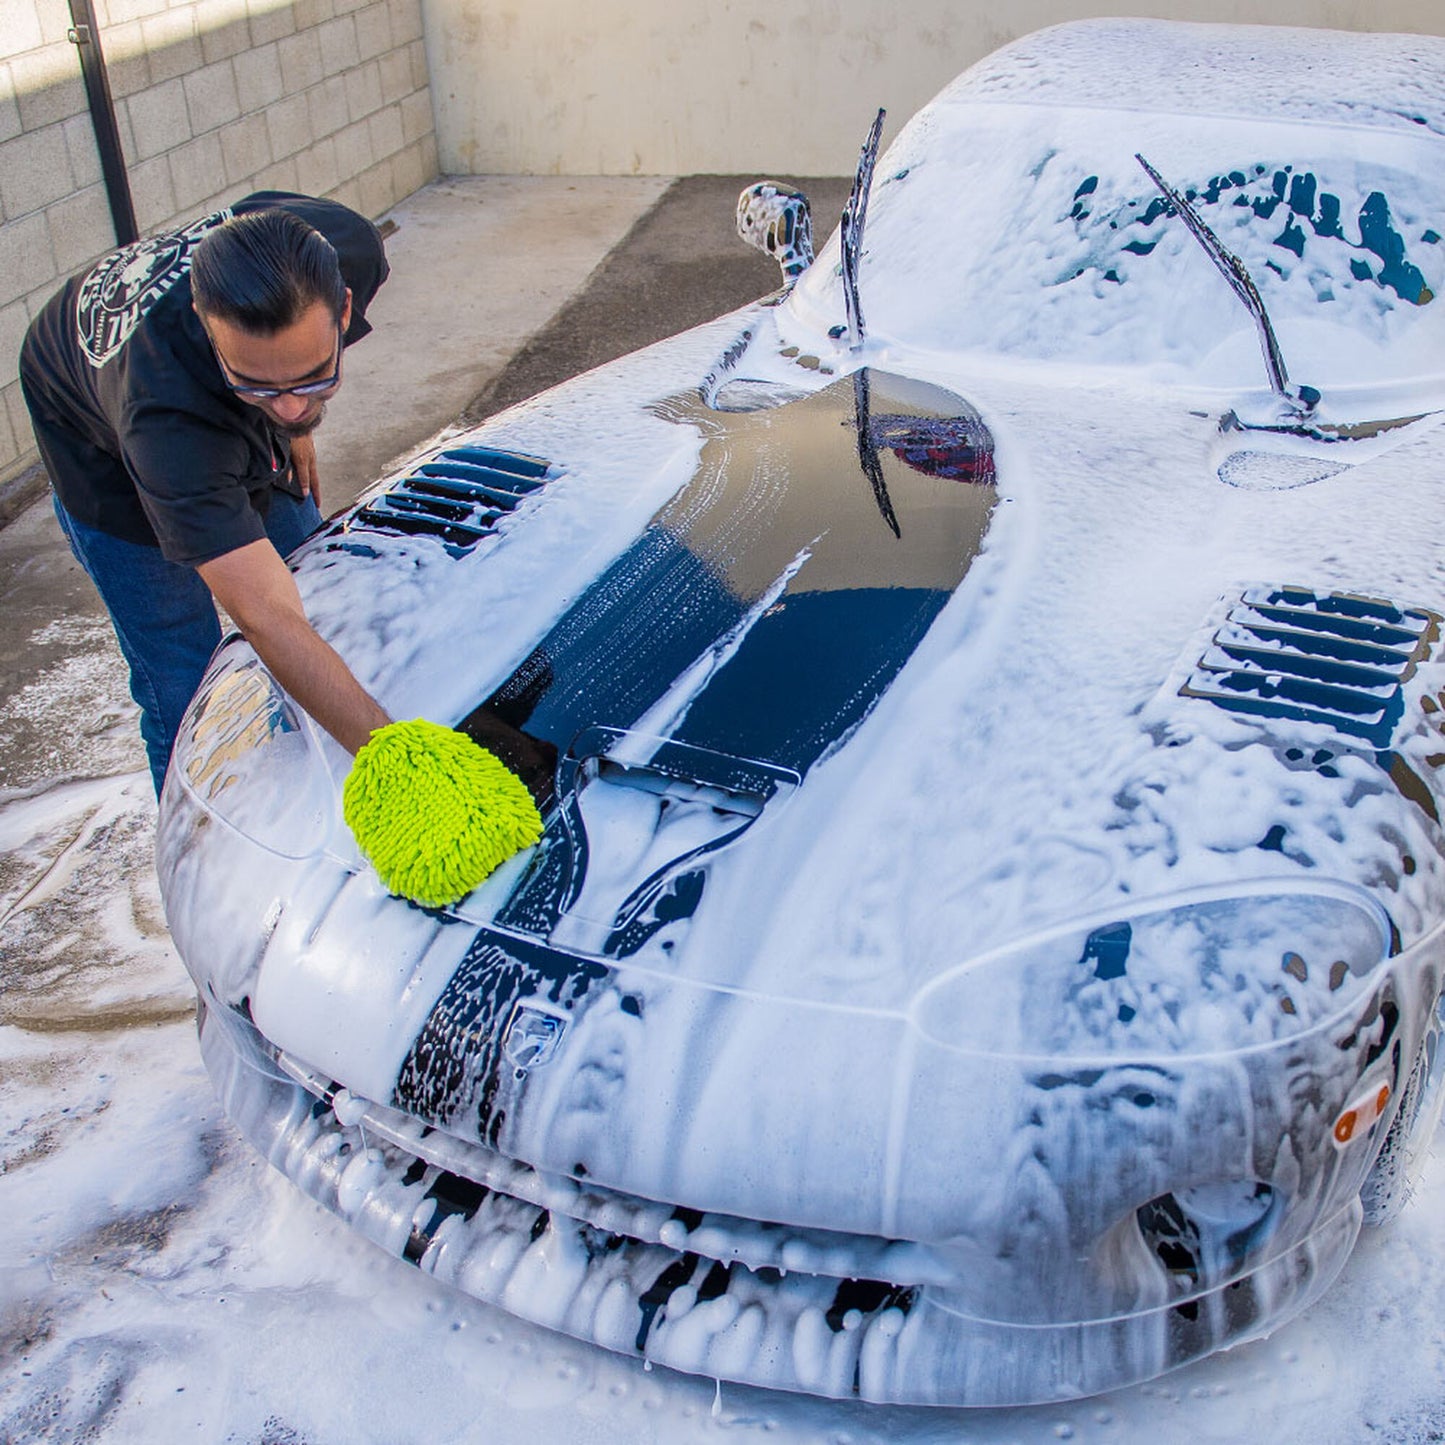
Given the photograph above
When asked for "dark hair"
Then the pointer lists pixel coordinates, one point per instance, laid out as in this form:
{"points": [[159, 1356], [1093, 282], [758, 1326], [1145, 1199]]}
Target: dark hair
{"points": [[261, 271]]}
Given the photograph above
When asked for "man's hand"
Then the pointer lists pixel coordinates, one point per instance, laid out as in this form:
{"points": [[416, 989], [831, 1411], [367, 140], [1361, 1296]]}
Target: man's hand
{"points": [[253, 584], [303, 464]]}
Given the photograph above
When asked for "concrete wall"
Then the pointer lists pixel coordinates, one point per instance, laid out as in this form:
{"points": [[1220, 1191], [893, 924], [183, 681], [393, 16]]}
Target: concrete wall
{"points": [[214, 98], [678, 86]]}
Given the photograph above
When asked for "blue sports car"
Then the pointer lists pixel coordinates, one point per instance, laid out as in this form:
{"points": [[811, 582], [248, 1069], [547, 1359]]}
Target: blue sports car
{"points": [[986, 704]]}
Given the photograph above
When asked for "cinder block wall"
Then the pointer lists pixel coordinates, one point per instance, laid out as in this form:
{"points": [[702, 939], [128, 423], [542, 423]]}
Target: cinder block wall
{"points": [[214, 98]]}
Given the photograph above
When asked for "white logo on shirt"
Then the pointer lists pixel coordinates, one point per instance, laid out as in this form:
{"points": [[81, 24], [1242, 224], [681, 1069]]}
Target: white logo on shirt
{"points": [[125, 285]]}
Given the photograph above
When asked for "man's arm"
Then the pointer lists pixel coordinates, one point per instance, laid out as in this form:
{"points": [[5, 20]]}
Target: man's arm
{"points": [[254, 585]]}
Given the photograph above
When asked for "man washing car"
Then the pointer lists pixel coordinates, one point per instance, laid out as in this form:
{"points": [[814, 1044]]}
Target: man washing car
{"points": [[174, 388]]}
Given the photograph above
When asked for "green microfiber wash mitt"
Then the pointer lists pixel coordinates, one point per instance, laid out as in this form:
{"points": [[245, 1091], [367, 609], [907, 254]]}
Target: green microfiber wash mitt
{"points": [[434, 812]]}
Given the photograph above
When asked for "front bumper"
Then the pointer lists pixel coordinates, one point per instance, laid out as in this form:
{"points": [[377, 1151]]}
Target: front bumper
{"points": [[765, 1305]]}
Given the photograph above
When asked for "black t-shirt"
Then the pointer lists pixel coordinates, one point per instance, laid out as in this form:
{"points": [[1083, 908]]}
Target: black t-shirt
{"points": [[119, 356]]}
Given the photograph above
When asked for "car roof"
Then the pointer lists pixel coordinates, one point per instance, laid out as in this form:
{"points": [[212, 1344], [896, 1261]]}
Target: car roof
{"points": [[1379, 81]]}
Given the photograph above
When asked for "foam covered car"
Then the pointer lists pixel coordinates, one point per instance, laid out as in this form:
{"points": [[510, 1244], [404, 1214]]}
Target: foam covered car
{"points": [[986, 703]]}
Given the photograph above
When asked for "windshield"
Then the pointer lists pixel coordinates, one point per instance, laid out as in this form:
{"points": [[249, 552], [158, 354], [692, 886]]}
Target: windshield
{"points": [[1033, 232]]}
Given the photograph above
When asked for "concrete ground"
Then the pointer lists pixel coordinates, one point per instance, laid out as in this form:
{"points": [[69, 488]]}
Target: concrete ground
{"points": [[500, 287]]}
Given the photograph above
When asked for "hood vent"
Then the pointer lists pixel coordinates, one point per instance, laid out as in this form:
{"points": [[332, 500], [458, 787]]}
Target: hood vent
{"points": [[458, 496], [1329, 658]]}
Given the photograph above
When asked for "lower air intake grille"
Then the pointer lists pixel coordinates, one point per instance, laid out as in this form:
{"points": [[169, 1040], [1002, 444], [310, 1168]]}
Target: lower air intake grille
{"points": [[458, 496], [1328, 658]]}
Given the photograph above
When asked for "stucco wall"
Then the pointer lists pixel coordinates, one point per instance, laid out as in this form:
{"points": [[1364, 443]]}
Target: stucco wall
{"points": [[669, 88], [213, 98]]}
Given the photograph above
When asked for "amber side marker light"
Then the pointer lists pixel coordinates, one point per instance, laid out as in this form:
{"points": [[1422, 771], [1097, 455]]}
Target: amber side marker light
{"points": [[1361, 1114]]}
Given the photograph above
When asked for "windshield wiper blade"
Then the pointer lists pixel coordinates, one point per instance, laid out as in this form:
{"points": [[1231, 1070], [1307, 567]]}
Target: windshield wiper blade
{"points": [[1300, 399], [855, 214]]}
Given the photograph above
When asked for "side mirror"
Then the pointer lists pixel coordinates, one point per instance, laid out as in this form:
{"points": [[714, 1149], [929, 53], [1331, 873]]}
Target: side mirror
{"points": [[778, 222]]}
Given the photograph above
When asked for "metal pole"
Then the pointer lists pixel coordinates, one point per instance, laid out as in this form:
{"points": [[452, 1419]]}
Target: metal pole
{"points": [[85, 36]]}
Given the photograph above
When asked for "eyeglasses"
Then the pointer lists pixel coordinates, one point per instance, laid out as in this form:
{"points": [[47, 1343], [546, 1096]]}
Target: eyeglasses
{"points": [[270, 393]]}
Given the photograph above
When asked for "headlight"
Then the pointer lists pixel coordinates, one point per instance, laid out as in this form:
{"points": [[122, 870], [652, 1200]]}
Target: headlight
{"points": [[1142, 1104], [248, 757], [1196, 975]]}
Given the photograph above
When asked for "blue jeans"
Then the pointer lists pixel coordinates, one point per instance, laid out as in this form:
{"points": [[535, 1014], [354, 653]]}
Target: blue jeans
{"points": [[163, 615]]}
